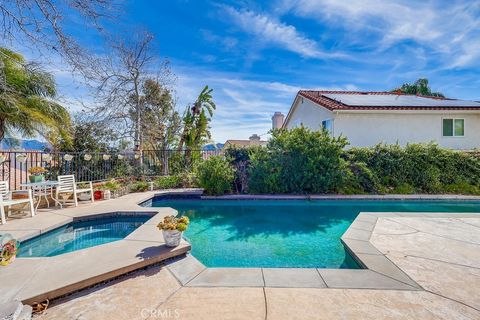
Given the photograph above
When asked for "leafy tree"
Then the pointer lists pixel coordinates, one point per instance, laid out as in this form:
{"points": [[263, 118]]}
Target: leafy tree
{"points": [[419, 87], [196, 120], [160, 121], [27, 96], [90, 136]]}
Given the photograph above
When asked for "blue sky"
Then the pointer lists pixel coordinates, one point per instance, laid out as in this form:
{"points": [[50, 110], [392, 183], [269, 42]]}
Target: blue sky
{"points": [[256, 55]]}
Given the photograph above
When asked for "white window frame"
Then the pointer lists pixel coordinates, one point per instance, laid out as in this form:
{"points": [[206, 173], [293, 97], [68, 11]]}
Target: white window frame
{"points": [[331, 125], [453, 127]]}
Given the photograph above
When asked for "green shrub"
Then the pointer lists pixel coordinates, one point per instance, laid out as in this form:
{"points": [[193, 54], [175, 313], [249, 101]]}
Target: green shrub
{"points": [[419, 168], [299, 161], [361, 179], [112, 185], [167, 182], [462, 187], [264, 176], [139, 186], [239, 158], [386, 162], [215, 175], [403, 188], [187, 179]]}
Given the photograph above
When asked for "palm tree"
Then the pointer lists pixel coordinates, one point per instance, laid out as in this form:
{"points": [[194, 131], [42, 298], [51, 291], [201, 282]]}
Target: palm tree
{"points": [[195, 120], [419, 87], [204, 102], [26, 99]]}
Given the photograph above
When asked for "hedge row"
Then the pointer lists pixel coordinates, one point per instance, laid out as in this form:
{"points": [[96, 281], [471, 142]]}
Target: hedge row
{"points": [[301, 161]]}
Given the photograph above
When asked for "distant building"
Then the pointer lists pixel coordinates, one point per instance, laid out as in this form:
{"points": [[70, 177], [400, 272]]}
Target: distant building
{"points": [[254, 140], [369, 118], [277, 120]]}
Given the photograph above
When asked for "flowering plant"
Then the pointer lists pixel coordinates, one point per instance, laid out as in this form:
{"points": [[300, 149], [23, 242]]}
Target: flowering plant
{"points": [[174, 223], [37, 170], [8, 252]]}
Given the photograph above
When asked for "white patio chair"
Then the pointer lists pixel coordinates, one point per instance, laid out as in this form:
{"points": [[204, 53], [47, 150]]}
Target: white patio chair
{"points": [[67, 185], [7, 201]]}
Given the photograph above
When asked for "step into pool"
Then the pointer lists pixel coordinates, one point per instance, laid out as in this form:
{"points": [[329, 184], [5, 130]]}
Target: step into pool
{"points": [[284, 233], [80, 235]]}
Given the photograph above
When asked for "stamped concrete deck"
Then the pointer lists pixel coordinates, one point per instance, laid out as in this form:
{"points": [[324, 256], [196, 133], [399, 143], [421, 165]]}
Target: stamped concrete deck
{"points": [[420, 266], [440, 253]]}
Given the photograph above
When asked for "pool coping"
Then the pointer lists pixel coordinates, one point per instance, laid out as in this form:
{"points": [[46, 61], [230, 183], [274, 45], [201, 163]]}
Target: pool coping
{"points": [[343, 197], [378, 273]]}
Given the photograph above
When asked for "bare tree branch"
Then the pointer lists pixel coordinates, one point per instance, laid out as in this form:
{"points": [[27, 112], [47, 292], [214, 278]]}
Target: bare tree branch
{"points": [[42, 23], [120, 81]]}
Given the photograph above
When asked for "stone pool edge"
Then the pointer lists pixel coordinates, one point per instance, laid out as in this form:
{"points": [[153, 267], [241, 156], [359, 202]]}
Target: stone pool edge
{"points": [[379, 272]]}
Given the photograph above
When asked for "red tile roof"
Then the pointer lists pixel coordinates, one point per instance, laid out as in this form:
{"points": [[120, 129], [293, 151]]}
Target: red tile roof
{"points": [[319, 97]]}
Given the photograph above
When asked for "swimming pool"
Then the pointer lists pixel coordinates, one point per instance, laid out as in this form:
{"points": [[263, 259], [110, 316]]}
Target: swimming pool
{"points": [[80, 235], [284, 233]]}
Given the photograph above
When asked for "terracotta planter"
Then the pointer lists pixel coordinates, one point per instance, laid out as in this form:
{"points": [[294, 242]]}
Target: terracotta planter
{"points": [[97, 194]]}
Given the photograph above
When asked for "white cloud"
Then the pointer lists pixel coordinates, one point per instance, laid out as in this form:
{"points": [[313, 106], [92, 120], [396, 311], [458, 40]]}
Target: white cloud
{"points": [[268, 30], [226, 43], [451, 28]]}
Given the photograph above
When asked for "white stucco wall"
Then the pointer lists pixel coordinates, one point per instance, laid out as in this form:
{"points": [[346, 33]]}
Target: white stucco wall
{"points": [[307, 113], [367, 129]]}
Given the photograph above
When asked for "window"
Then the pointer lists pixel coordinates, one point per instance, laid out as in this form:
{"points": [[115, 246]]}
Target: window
{"points": [[328, 125], [453, 127]]}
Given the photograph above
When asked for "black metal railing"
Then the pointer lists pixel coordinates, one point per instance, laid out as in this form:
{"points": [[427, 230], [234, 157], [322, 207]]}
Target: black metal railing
{"points": [[86, 166]]}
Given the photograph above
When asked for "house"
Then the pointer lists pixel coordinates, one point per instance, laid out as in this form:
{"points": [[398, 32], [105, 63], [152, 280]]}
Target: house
{"points": [[254, 140], [369, 118]]}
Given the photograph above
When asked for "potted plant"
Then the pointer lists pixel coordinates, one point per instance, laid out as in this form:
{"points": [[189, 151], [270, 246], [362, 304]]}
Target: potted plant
{"points": [[8, 249], [36, 174], [98, 191], [112, 186], [172, 229]]}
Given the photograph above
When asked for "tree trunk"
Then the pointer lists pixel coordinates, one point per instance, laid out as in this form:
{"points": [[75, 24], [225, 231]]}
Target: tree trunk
{"points": [[2, 129], [182, 140]]}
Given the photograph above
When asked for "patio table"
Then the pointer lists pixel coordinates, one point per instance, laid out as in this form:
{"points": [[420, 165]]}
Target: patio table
{"points": [[42, 189]]}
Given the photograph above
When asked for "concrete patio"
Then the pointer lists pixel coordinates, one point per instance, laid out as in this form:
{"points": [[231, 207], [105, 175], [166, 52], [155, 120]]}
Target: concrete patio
{"points": [[419, 266], [36, 279]]}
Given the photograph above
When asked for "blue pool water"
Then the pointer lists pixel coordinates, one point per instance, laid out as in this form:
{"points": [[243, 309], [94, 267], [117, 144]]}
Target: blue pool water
{"points": [[80, 235], [284, 233]]}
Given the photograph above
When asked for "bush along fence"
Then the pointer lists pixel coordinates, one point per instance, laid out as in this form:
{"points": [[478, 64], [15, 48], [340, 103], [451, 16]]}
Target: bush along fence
{"points": [[301, 161], [14, 165]]}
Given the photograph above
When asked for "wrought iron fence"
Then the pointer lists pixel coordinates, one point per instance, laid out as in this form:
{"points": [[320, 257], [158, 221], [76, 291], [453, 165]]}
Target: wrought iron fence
{"points": [[14, 165]]}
